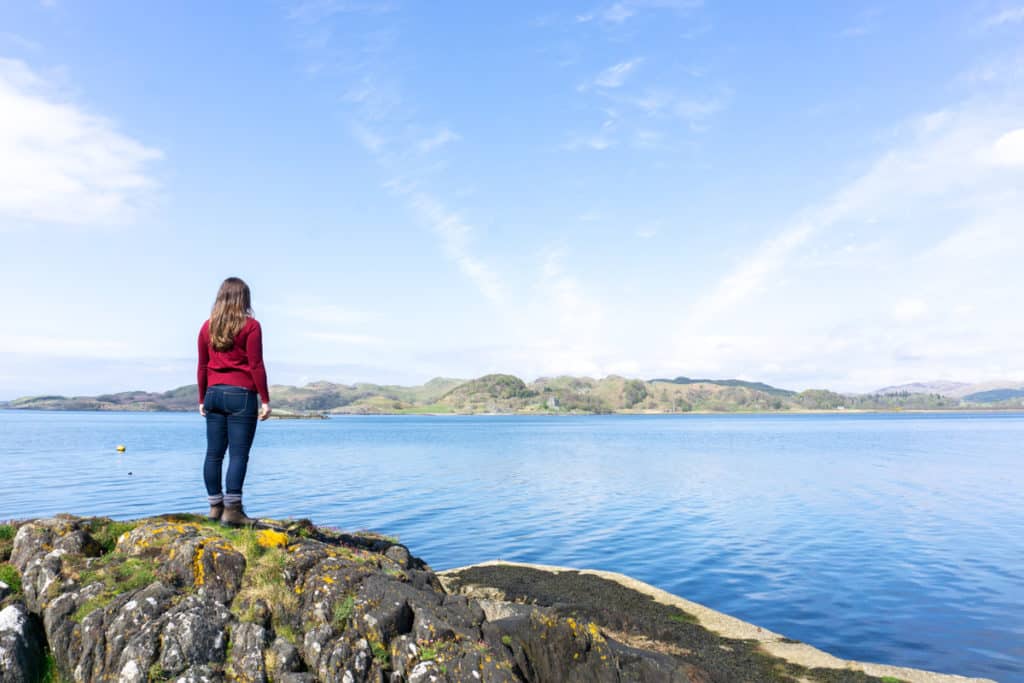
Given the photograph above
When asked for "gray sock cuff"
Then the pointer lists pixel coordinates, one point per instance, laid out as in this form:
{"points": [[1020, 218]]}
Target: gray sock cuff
{"points": [[216, 500], [232, 498]]}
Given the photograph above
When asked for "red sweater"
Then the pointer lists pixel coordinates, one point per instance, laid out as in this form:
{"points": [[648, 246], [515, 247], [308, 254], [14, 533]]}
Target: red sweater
{"points": [[241, 365]]}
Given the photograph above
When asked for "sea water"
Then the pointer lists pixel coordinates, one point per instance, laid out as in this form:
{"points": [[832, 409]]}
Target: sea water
{"points": [[896, 538]]}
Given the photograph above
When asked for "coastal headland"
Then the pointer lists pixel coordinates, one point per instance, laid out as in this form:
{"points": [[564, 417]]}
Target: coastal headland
{"points": [[179, 598], [563, 395]]}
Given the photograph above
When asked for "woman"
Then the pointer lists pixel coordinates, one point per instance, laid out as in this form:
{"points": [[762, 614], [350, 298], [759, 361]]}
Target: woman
{"points": [[232, 383]]}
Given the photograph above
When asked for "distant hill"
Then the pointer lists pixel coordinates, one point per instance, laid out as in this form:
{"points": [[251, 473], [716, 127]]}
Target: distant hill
{"points": [[502, 393], [994, 395], [977, 392], [943, 388], [182, 398], [758, 386]]}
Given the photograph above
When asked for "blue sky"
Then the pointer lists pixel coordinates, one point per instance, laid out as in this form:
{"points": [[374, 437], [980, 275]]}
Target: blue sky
{"points": [[806, 195]]}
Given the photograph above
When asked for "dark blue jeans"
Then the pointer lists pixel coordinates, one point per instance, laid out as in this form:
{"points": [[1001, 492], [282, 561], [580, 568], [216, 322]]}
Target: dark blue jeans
{"points": [[231, 416]]}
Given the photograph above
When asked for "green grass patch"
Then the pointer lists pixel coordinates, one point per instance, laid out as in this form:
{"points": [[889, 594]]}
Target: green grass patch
{"points": [[10, 576], [129, 574], [90, 606], [118, 574], [429, 653], [107, 531], [506, 640], [50, 673], [263, 578], [891, 679], [244, 540], [287, 632], [7, 533], [156, 674], [380, 653], [343, 611]]}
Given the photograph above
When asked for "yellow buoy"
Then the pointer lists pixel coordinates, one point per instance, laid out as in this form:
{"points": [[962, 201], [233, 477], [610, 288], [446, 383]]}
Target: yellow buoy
{"points": [[120, 448]]}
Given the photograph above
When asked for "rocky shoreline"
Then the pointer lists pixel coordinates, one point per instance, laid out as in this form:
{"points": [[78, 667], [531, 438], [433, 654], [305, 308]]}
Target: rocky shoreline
{"points": [[178, 598]]}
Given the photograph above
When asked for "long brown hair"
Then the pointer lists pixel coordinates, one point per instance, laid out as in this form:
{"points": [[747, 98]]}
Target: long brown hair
{"points": [[231, 309]]}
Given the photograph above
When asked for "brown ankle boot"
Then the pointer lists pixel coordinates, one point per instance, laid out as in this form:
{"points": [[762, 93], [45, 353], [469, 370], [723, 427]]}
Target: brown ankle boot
{"points": [[215, 513], [234, 515]]}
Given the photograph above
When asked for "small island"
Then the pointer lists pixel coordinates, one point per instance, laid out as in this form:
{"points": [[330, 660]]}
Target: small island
{"points": [[180, 598]]}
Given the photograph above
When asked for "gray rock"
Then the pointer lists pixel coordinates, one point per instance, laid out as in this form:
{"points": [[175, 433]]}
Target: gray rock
{"points": [[194, 633], [245, 663], [360, 610], [5, 590], [399, 554], [199, 674], [282, 658], [32, 540], [21, 646], [296, 678]]}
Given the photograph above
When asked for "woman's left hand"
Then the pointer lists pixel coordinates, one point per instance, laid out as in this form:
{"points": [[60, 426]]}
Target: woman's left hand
{"points": [[202, 410]]}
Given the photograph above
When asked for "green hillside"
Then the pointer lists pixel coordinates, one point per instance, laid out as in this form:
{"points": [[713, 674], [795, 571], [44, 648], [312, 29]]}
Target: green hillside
{"points": [[503, 393], [757, 386], [995, 395]]}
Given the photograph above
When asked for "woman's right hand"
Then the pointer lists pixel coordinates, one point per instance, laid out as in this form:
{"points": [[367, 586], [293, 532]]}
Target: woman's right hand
{"points": [[265, 411]]}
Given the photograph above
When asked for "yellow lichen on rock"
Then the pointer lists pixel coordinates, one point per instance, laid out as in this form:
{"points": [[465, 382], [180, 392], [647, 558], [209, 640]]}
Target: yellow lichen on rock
{"points": [[197, 566], [268, 538]]}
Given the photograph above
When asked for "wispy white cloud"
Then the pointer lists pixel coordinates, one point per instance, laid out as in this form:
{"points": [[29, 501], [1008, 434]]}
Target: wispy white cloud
{"points": [[864, 24], [649, 231], [646, 138], [384, 128], [1008, 150], [60, 163], [696, 31], [376, 100], [909, 309], [19, 42], [604, 138], [66, 346], [952, 185], [329, 314], [347, 338], [1010, 15], [598, 142], [665, 102], [632, 118], [748, 277], [456, 236], [438, 139], [579, 314], [366, 137], [317, 10], [619, 12], [615, 76]]}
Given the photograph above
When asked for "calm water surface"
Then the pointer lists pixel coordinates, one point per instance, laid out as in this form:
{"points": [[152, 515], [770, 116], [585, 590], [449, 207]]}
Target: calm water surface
{"points": [[891, 538]]}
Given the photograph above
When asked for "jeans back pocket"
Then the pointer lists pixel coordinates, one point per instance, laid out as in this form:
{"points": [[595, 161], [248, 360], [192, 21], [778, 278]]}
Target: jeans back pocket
{"points": [[235, 402]]}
